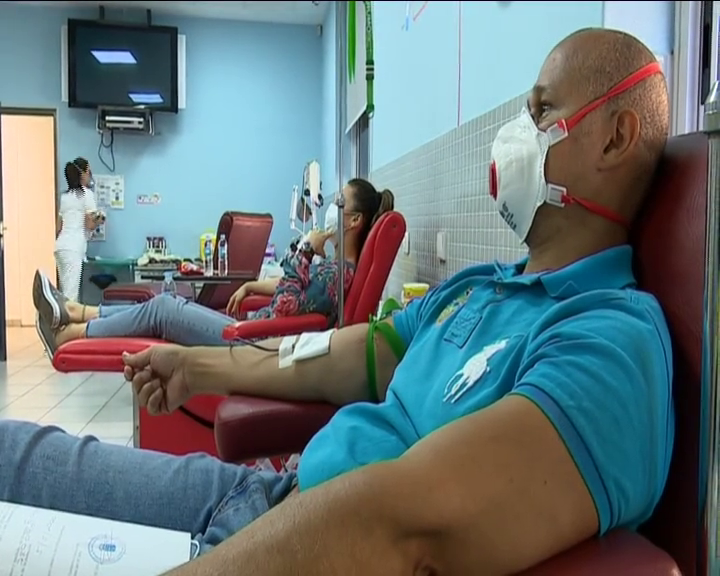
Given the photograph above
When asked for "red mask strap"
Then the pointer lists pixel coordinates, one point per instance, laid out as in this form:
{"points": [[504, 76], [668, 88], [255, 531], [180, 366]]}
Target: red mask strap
{"points": [[623, 86], [597, 209]]}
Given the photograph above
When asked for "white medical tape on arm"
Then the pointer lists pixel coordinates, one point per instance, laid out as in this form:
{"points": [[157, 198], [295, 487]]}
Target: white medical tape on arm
{"points": [[285, 351], [312, 345]]}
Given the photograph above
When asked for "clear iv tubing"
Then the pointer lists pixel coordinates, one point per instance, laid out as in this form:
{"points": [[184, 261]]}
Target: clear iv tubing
{"points": [[340, 25]]}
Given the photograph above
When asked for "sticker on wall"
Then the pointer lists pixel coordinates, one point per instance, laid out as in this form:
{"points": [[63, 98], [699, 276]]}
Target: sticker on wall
{"points": [[411, 14], [148, 199], [110, 190]]}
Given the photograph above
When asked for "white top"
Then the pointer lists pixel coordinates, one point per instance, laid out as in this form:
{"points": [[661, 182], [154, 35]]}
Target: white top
{"points": [[73, 207]]}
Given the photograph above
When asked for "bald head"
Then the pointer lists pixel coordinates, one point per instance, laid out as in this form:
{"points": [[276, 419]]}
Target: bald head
{"points": [[583, 68], [600, 58]]}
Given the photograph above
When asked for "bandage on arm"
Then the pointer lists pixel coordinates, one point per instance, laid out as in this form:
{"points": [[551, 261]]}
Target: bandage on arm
{"points": [[339, 377], [316, 344]]}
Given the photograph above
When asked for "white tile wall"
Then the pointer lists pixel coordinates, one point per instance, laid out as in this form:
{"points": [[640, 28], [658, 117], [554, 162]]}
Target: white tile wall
{"points": [[443, 186]]}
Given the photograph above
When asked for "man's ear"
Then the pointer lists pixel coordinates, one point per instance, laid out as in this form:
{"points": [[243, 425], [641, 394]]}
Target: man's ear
{"points": [[621, 139]]}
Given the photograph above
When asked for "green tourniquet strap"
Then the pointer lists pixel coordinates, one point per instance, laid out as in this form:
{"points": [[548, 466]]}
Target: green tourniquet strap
{"points": [[391, 337], [369, 59], [389, 306]]}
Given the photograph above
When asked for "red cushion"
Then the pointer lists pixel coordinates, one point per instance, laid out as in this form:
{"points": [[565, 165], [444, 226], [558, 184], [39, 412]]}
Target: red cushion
{"points": [[247, 428], [670, 252], [619, 553]]}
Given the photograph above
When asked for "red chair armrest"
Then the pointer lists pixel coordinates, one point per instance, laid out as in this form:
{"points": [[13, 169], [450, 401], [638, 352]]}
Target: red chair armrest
{"points": [[620, 553], [98, 355], [247, 428], [267, 328], [254, 302]]}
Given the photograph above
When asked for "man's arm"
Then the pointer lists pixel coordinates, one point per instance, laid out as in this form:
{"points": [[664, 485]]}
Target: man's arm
{"points": [[339, 377], [491, 494], [499, 490]]}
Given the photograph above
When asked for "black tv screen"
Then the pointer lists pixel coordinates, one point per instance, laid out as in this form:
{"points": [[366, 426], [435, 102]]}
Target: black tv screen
{"points": [[114, 65]]}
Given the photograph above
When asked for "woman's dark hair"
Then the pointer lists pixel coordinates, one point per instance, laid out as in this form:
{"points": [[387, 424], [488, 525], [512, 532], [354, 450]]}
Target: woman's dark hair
{"points": [[371, 204], [73, 172]]}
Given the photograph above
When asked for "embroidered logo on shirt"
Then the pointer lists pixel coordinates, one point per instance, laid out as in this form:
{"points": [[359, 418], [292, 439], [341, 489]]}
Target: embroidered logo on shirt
{"points": [[451, 308], [474, 369]]}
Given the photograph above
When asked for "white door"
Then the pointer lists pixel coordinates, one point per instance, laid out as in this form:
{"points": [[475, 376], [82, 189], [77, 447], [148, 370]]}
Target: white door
{"points": [[29, 196]]}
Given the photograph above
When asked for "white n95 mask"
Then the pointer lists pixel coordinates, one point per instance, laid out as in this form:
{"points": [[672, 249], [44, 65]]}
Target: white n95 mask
{"points": [[517, 167], [331, 218]]}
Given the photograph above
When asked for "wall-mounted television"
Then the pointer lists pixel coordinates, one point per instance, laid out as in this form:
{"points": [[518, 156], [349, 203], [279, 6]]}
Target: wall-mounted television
{"points": [[122, 66]]}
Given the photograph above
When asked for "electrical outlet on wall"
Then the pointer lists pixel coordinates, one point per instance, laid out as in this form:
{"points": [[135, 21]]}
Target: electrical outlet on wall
{"points": [[406, 243], [441, 247]]}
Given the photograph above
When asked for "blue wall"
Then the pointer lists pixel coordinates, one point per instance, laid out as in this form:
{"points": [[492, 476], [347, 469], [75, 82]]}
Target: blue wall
{"points": [[253, 119], [466, 56]]}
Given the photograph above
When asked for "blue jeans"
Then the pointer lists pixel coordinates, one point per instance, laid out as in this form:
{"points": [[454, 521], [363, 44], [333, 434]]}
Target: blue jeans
{"points": [[47, 468], [169, 318]]}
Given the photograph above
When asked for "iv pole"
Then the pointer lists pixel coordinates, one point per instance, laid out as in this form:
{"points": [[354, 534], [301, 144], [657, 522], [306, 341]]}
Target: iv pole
{"points": [[340, 57]]}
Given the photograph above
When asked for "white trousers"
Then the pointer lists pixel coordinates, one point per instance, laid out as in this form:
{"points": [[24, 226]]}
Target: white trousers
{"points": [[70, 268]]}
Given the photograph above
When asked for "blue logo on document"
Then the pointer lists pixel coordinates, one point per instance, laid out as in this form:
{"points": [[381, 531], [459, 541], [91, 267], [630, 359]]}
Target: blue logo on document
{"points": [[105, 549]]}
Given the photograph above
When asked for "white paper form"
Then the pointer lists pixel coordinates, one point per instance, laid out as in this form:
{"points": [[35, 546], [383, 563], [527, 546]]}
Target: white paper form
{"points": [[37, 542]]}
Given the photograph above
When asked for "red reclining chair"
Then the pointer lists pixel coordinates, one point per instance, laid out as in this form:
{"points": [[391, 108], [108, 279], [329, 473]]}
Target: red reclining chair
{"points": [[191, 428], [247, 235], [670, 250]]}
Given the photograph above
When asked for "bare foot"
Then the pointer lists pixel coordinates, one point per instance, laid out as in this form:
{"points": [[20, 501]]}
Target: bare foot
{"points": [[69, 333], [79, 313]]}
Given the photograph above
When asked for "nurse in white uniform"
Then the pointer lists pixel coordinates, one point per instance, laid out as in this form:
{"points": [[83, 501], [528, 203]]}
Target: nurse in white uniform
{"points": [[77, 219]]}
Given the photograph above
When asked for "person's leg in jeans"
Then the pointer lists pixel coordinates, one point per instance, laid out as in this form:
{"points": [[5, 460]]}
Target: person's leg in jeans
{"points": [[210, 499], [166, 317]]}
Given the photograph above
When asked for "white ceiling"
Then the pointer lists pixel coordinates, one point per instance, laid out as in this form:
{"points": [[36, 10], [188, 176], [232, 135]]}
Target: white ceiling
{"points": [[298, 12]]}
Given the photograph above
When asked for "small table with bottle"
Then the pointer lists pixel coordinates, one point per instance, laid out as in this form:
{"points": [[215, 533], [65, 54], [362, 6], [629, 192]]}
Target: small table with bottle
{"points": [[223, 275]]}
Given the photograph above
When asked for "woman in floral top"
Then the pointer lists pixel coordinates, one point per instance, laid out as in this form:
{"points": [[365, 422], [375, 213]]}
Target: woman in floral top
{"points": [[309, 284]]}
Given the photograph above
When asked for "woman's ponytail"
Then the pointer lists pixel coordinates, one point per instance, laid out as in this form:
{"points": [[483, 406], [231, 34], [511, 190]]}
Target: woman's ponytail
{"points": [[386, 204], [72, 176]]}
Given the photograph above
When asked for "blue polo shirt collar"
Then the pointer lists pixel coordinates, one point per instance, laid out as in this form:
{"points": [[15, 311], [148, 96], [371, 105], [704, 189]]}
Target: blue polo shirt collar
{"points": [[609, 269]]}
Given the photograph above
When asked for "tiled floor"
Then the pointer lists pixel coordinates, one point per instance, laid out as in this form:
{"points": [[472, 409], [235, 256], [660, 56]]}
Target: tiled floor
{"points": [[82, 403]]}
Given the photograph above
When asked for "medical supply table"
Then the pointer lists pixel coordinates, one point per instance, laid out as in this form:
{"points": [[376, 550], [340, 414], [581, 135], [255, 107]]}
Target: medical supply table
{"points": [[198, 279]]}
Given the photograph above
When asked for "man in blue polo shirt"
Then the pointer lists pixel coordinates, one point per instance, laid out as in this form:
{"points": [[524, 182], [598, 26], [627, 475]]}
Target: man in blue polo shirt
{"points": [[531, 410]]}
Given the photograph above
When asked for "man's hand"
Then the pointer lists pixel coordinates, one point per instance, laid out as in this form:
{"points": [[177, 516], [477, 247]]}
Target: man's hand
{"points": [[317, 240], [233, 307], [158, 377]]}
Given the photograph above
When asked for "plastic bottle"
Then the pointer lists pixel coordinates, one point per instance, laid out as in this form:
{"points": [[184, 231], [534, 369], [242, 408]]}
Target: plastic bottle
{"points": [[222, 256], [169, 286], [208, 258]]}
